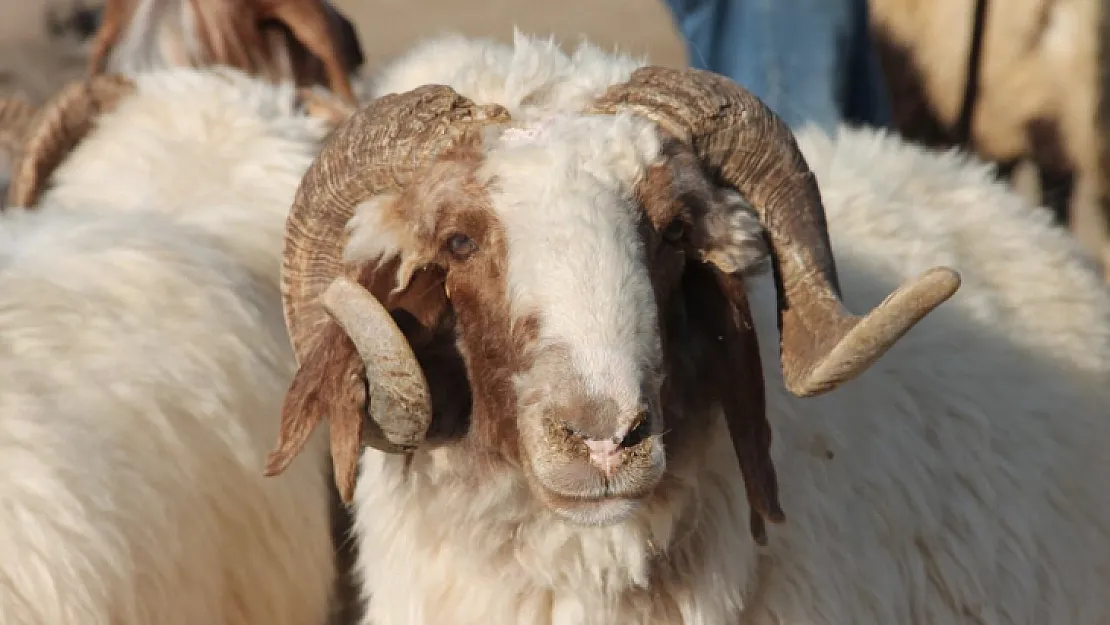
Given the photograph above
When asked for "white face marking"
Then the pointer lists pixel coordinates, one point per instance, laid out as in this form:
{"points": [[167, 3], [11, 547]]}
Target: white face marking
{"points": [[563, 190]]}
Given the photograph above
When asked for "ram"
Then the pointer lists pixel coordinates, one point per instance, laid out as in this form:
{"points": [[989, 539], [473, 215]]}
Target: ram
{"points": [[144, 358], [529, 291]]}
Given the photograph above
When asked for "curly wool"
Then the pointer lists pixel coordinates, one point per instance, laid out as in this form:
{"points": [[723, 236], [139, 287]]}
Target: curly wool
{"points": [[959, 480], [143, 364]]}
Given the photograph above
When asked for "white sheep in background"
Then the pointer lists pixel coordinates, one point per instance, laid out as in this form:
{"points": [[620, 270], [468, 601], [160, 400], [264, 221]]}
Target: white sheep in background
{"points": [[959, 479], [143, 363]]}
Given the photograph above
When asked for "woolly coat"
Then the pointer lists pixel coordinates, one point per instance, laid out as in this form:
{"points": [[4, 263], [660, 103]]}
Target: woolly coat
{"points": [[142, 368], [961, 479]]}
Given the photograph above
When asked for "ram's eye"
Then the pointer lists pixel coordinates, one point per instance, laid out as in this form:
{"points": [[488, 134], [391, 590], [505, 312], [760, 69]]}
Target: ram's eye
{"points": [[674, 231], [461, 246]]}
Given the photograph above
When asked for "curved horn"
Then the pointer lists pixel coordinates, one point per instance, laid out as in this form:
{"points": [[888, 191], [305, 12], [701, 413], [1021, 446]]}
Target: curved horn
{"points": [[745, 144], [62, 123], [16, 116], [377, 150], [398, 390]]}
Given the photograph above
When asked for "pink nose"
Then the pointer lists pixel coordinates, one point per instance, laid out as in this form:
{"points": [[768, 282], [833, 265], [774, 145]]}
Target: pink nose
{"points": [[605, 454]]}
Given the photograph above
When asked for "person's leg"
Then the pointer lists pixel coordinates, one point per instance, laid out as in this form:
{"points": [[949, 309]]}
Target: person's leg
{"points": [[809, 60], [787, 53], [698, 21]]}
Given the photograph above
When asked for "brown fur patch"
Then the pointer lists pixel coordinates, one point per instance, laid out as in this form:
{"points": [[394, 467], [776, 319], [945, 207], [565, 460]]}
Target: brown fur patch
{"points": [[467, 349], [708, 335], [910, 106], [1102, 115], [455, 312], [1021, 96], [1056, 169], [347, 602], [448, 200], [307, 41]]}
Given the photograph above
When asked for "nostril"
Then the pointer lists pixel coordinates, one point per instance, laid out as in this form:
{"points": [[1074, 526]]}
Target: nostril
{"points": [[638, 433], [608, 454]]}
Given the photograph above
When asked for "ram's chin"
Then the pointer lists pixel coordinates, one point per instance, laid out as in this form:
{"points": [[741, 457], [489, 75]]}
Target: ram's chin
{"points": [[594, 512], [600, 513]]}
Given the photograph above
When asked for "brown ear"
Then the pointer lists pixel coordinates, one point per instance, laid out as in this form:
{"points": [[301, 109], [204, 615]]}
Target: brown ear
{"points": [[717, 311], [715, 322], [59, 126], [307, 41], [113, 17], [331, 380], [308, 52]]}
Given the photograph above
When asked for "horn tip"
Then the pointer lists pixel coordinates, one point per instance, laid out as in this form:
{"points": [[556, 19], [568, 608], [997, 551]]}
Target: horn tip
{"points": [[871, 336]]}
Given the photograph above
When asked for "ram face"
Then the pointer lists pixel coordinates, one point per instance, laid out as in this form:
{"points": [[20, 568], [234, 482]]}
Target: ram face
{"points": [[562, 296]]}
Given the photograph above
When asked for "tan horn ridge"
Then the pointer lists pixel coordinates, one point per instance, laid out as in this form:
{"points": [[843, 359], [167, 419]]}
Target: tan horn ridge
{"points": [[16, 117], [60, 125], [742, 142], [378, 149]]}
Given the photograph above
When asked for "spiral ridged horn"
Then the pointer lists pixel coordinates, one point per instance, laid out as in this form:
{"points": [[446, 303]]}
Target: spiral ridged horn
{"points": [[59, 126], [377, 150], [744, 144], [16, 117]]}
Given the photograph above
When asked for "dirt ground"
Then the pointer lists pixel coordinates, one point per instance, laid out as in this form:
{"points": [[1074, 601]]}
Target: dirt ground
{"points": [[36, 59]]}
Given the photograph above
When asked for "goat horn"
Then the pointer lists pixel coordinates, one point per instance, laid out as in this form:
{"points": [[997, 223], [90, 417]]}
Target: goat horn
{"points": [[377, 150], [61, 124], [743, 142], [16, 116], [398, 391]]}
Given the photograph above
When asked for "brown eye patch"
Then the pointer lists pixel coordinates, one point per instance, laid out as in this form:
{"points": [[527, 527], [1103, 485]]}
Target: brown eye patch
{"points": [[675, 230], [461, 246]]}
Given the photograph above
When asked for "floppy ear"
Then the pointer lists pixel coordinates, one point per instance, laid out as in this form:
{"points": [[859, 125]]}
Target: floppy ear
{"points": [[731, 243], [331, 380], [307, 51], [730, 366], [726, 241], [307, 41], [388, 248]]}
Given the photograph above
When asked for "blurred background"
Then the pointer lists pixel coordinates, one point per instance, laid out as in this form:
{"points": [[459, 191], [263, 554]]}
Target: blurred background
{"points": [[41, 41], [1021, 83]]}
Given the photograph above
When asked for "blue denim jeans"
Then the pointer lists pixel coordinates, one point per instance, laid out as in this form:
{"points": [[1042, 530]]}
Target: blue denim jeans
{"points": [[809, 60]]}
